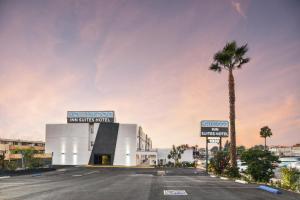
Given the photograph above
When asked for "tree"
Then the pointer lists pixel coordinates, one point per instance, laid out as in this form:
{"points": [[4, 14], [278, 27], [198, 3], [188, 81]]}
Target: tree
{"points": [[226, 146], [176, 152], [265, 132], [259, 147], [260, 164], [214, 149], [240, 150], [219, 162], [2, 157], [231, 57], [290, 178], [27, 155]]}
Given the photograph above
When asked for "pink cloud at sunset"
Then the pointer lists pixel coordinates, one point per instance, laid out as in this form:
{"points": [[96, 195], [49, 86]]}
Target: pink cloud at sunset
{"points": [[148, 61]]}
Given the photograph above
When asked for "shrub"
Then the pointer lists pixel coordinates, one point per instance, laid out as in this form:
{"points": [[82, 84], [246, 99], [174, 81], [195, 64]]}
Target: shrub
{"points": [[36, 163], [11, 165], [170, 164], [290, 178], [219, 162], [188, 164], [232, 172], [260, 164]]}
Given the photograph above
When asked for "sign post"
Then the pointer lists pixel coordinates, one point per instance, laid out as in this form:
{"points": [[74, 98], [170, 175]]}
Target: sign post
{"points": [[213, 128], [206, 156]]}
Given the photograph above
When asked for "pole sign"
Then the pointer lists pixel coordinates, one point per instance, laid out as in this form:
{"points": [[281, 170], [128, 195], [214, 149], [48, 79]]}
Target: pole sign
{"points": [[90, 116], [214, 128]]}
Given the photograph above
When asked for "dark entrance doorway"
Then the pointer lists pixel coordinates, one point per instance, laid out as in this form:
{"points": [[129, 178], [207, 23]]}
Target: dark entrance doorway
{"points": [[102, 159]]}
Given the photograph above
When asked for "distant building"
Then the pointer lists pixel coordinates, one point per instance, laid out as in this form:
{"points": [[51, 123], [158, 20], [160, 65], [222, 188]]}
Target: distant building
{"points": [[9, 146], [285, 150]]}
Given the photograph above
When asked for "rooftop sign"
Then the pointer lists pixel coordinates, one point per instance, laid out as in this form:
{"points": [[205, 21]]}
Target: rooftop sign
{"points": [[214, 128], [90, 116]]}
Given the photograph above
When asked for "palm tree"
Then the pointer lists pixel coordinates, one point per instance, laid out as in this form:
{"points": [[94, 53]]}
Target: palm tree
{"points": [[265, 132], [231, 57]]}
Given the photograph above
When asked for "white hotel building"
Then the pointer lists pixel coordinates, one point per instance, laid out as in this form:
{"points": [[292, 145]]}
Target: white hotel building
{"points": [[95, 138]]}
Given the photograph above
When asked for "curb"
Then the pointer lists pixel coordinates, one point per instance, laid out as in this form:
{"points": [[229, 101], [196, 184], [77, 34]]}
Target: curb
{"points": [[269, 189]]}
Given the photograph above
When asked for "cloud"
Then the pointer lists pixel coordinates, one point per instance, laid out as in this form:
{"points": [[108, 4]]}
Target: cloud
{"points": [[238, 9]]}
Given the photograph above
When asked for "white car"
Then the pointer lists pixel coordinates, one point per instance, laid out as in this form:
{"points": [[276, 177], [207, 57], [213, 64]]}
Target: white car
{"points": [[242, 166], [295, 165], [288, 161]]}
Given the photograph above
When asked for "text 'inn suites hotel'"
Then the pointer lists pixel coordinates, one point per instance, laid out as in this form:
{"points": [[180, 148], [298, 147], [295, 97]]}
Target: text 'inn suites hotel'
{"points": [[96, 138]]}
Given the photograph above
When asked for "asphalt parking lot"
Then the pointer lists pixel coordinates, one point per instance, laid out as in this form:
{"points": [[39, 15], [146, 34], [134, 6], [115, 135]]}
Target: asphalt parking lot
{"points": [[132, 184]]}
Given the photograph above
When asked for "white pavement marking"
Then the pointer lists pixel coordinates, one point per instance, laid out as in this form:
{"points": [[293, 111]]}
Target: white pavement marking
{"points": [[179, 186], [90, 172], [175, 192], [77, 175], [22, 183], [241, 181], [224, 178], [211, 187], [143, 175], [175, 181], [3, 177], [213, 176]]}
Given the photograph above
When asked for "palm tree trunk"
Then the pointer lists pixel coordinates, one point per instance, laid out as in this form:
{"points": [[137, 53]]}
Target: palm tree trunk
{"points": [[232, 119], [265, 143]]}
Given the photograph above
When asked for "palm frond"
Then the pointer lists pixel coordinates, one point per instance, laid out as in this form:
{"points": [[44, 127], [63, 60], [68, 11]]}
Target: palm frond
{"points": [[230, 46], [223, 58], [241, 51], [242, 61], [230, 57], [215, 67]]}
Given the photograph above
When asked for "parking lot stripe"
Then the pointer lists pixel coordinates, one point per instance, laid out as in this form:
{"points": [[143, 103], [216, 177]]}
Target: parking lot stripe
{"points": [[90, 173], [4, 177]]}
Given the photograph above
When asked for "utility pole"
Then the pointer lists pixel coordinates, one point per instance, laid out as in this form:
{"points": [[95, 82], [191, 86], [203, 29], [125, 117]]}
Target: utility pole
{"points": [[206, 163]]}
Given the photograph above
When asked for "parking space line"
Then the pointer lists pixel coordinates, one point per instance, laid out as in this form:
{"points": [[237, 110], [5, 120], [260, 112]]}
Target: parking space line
{"points": [[4, 177], [90, 173]]}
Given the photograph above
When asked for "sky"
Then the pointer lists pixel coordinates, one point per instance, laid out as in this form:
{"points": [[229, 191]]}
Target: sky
{"points": [[148, 61]]}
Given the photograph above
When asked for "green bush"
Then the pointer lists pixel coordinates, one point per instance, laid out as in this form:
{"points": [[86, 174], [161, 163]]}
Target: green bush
{"points": [[35, 163], [260, 164], [290, 178], [232, 172], [188, 164], [219, 162], [11, 165]]}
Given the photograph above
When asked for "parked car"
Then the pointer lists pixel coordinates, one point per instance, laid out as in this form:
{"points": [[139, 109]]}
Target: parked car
{"points": [[242, 166], [295, 165], [286, 161]]}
